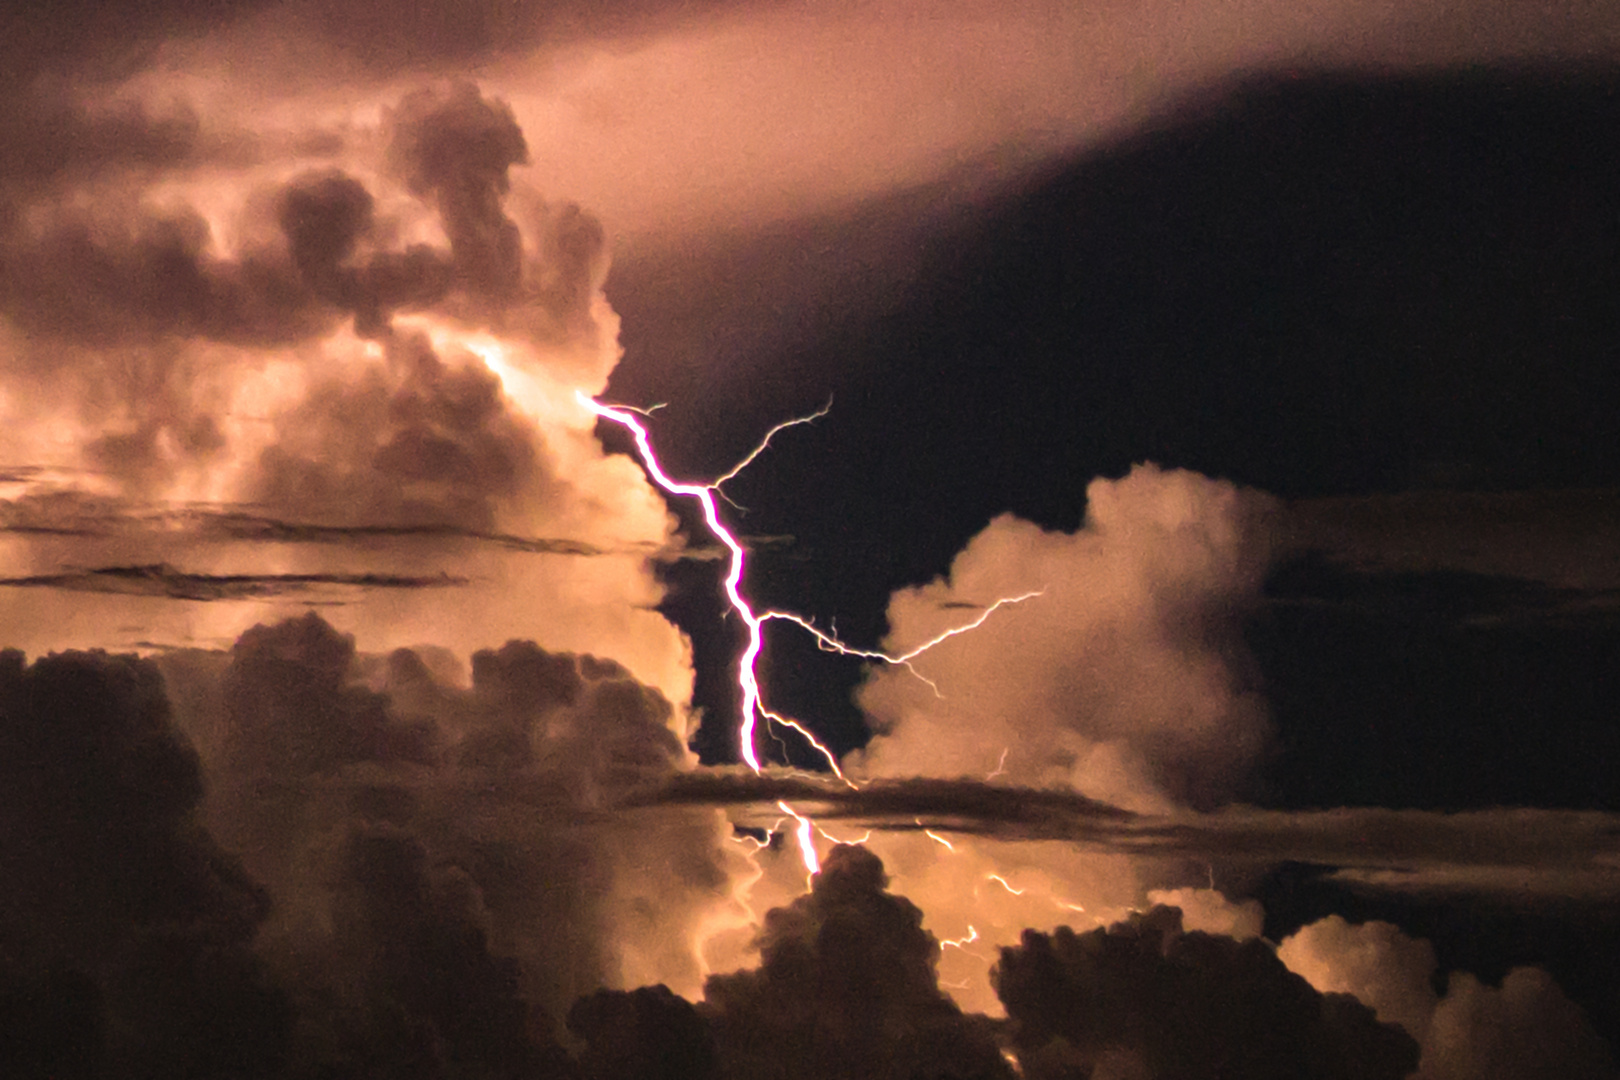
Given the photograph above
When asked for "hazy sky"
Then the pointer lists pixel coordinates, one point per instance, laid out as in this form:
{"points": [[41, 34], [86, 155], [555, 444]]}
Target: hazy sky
{"points": [[371, 712]]}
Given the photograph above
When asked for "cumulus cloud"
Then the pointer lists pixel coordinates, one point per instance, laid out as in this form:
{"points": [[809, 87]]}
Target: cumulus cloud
{"points": [[1526, 1027], [1143, 998], [292, 855], [1124, 678], [846, 987], [1375, 962], [331, 322], [498, 777]]}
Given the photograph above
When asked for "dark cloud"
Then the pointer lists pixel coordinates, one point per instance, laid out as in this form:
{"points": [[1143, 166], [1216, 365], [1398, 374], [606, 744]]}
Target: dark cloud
{"points": [[68, 513], [49, 135], [141, 275], [1524, 1029], [456, 148], [161, 580], [1143, 998], [324, 216], [966, 802], [149, 276], [339, 774], [125, 930], [846, 987], [444, 873], [1565, 539], [292, 711], [433, 1000], [643, 1034]]}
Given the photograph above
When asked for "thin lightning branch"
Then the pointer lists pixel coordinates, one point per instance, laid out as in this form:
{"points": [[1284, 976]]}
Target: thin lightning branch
{"points": [[864, 838], [704, 494], [1001, 766], [957, 943], [999, 880], [766, 441], [828, 643], [934, 836], [753, 706]]}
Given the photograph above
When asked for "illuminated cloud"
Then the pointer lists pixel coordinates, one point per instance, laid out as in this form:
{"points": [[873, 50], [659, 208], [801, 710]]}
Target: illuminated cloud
{"points": [[1123, 679], [363, 352], [1525, 1027], [501, 775], [846, 987]]}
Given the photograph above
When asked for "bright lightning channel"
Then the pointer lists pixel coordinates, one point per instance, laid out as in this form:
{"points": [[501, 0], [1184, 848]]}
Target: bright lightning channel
{"points": [[807, 843], [753, 705]]}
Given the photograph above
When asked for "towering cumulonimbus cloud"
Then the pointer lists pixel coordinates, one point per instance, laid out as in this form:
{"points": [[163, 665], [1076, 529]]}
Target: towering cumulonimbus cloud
{"points": [[1125, 679], [249, 273], [370, 326]]}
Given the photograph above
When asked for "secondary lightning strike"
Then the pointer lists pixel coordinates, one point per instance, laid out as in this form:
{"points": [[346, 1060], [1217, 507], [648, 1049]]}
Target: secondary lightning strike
{"points": [[828, 643], [807, 842], [999, 880], [838, 840]]}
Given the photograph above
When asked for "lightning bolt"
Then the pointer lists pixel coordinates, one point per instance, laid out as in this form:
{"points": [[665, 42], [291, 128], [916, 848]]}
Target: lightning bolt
{"points": [[752, 705], [754, 708]]}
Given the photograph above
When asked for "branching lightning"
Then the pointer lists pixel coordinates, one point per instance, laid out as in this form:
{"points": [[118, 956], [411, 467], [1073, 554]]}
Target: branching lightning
{"points": [[753, 705], [766, 441]]}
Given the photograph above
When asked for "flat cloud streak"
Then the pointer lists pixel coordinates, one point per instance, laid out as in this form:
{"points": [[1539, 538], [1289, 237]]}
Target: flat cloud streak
{"points": [[1527, 854]]}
